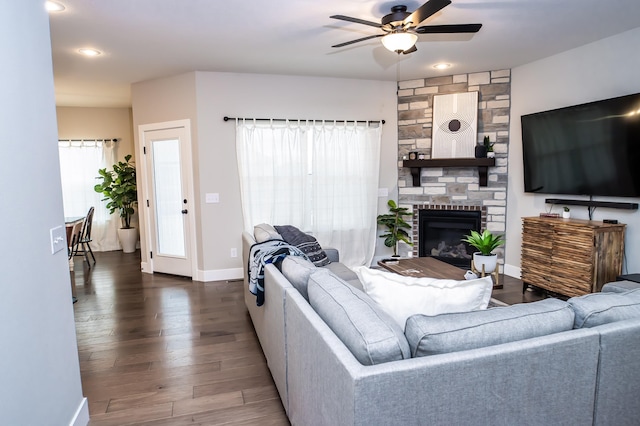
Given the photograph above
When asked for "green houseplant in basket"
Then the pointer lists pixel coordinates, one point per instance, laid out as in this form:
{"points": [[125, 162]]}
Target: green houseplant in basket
{"points": [[396, 226], [119, 188], [485, 243]]}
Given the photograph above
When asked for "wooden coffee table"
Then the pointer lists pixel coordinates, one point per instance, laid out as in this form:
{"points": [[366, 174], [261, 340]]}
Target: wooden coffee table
{"points": [[426, 267]]}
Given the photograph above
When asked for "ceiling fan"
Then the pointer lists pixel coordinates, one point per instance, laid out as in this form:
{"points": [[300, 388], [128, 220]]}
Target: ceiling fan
{"points": [[400, 28]]}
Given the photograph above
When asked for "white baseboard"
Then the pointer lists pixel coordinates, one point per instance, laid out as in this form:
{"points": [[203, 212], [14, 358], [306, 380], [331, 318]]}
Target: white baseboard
{"points": [[81, 417], [512, 271], [207, 276], [219, 275]]}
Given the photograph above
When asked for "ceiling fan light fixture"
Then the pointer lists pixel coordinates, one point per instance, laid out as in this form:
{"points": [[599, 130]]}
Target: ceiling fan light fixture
{"points": [[54, 6], [442, 66], [87, 51], [400, 41]]}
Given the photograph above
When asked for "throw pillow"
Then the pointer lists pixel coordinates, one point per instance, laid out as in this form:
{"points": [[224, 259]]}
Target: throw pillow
{"points": [[402, 296], [265, 232], [463, 331], [305, 242], [601, 308], [370, 334]]}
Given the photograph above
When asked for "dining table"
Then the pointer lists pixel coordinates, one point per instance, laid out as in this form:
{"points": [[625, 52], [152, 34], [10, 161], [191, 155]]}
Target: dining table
{"points": [[69, 223]]}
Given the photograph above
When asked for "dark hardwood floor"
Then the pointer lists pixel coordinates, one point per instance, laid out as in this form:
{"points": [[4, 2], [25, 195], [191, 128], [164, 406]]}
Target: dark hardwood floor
{"points": [[511, 293], [165, 350]]}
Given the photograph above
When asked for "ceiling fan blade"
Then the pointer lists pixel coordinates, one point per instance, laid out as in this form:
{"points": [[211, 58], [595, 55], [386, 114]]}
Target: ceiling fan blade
{"points": [[358, 40], [413, 49], [356, 20], [449, 29], [426, 10]]}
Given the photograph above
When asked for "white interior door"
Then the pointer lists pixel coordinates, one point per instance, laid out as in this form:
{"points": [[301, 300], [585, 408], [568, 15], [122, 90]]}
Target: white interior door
{"points": [[167, 151]]}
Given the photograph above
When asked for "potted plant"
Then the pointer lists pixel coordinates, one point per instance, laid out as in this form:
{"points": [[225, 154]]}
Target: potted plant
{"points": [[484, 260], [489, 147], [396, 226], [119, 188], [566, 212]]}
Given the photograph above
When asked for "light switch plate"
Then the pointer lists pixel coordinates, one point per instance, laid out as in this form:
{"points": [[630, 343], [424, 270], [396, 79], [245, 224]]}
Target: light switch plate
{"points": [[58, 239], [212, 198]]}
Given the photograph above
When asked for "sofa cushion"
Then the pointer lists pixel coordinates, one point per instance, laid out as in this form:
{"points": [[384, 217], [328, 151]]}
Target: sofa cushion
{"points": [[601, 308], [430, 335], [265, 232], [620, 286], [305, 242], [402, 296], [345, 274], [370, 334], [297, 270]]}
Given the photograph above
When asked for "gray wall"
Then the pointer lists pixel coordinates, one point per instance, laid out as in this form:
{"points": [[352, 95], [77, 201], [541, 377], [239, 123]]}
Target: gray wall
{"points": [[206, 97], [39, 367], [97, 123], [604, 69]]}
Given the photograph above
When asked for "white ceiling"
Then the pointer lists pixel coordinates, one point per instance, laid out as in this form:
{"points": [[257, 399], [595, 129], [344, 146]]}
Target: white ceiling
{"points": [[147, 39]]}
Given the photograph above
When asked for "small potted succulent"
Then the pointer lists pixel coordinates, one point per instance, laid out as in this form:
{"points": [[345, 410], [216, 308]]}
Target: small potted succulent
{"points": [[489, 147], [566, 212], [484, 260]]}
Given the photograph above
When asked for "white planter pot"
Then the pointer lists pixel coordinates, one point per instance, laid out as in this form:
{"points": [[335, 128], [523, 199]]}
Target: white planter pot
{"points": [[566, 215], [491, 154], [128, 239], [489, 262]]}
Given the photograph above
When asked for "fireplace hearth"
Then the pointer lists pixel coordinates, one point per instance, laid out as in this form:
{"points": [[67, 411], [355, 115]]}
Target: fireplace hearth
{"points": [[439, 233]]}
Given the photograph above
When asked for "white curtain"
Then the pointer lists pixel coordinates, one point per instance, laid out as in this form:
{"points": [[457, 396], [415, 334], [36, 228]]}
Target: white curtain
{"points": [[79, 164], [272, 173], [320, 177], [346, 162]]}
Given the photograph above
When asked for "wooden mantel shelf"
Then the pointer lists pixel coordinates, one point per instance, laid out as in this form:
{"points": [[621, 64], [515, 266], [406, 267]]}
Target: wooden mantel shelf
{"points": [[482, 164]]}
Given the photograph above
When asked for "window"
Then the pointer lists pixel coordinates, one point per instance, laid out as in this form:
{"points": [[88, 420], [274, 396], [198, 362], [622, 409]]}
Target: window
{"points": [[79, 164], [319, 176]]}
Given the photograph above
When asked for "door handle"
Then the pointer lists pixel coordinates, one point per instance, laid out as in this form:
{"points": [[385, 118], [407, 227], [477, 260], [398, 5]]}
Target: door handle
{"points": [[184, 211]]}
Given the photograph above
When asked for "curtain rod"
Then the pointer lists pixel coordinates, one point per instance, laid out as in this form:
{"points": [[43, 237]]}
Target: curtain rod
{"points": [[91, 140], [285, 119]]}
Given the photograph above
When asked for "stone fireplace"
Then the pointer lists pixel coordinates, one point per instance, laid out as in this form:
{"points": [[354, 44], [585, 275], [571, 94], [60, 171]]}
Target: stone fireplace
{"points": [[454, 188], [438, 229]]}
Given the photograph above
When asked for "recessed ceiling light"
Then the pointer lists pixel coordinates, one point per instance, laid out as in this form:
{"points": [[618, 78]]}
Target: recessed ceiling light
{"points": [[442, 66], [53, 6], [89, 52]]}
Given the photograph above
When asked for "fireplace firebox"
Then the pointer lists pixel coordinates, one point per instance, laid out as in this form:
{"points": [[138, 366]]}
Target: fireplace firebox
{"points": [[440, 233]]}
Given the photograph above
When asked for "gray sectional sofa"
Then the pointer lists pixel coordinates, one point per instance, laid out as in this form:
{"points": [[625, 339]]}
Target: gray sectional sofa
{"points": [[336, 359]]}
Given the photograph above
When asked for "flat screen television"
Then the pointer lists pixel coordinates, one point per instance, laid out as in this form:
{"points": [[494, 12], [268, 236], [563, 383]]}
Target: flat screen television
{"points": [[588, 149]]}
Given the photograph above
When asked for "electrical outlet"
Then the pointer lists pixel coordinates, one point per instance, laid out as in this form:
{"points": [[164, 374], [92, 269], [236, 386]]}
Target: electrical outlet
{"points": [[234, 252]]}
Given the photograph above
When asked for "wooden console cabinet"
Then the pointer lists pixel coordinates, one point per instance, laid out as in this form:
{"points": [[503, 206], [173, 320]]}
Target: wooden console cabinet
{"points": [[571, 257]]}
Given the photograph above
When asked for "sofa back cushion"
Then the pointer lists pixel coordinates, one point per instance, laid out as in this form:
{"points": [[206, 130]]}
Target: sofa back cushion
{"points": [[620, 286], [601, 308], [369, 333], [297, 270], [430, 335]]}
